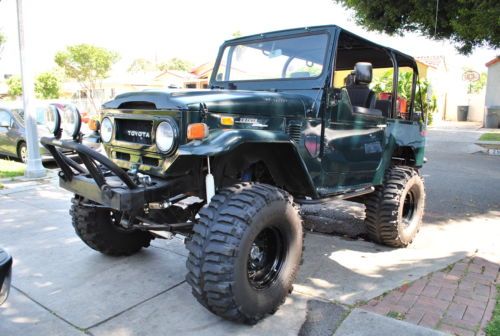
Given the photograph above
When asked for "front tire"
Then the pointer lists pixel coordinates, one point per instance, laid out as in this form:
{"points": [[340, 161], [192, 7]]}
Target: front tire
{"points": [[98, 228], [245, 252], [394, 210]]}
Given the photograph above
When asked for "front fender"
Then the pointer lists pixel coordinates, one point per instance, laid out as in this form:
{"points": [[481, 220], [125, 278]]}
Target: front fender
{"points": [[222, 141], [236, 149]]}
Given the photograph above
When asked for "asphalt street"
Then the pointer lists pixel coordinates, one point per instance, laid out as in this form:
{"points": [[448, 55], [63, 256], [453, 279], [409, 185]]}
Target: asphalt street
{"points": [[62, 287]]}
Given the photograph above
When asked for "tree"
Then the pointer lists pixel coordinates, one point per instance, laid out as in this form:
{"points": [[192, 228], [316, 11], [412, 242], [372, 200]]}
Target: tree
{"points": [[176, 64], [466, 23], [88, 65], [47, 86], [3, 39], [15, 88], [141, 65]]}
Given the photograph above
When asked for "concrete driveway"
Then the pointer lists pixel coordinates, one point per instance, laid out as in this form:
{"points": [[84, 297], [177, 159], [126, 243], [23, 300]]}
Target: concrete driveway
{"points": [[62, 287]]}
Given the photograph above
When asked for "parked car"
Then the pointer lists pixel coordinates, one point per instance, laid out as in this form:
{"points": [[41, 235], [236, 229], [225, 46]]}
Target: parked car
{"points": [[5, 275], [13, 133]]}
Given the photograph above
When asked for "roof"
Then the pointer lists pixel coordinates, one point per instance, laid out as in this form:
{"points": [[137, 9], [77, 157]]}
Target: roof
{"points": [[493, 61], [175, 73], [285, 32], [432, 61]]}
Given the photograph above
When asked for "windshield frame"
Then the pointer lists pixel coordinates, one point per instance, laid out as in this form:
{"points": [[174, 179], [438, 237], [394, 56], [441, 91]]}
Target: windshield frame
{"points": [[275, 83]]}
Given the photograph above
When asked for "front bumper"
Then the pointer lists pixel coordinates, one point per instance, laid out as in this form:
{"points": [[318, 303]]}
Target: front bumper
{"points": [[102, 181], [5, 275]]}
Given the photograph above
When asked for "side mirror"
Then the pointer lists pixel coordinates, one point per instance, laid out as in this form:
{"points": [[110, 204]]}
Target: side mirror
{"points": [[5, 124]]}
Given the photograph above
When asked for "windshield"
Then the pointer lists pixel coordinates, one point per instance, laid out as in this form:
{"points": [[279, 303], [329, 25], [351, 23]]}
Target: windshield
{"points": [[291, 57]]}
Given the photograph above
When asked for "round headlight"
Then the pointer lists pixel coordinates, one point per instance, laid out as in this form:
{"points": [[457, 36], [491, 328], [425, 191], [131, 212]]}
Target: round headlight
{"points": [[106, 130], [52, 119], [71, 120], [165, 136]]}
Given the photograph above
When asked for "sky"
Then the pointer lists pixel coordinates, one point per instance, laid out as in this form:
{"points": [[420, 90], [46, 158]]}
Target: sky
{"points": [[189, 29]]}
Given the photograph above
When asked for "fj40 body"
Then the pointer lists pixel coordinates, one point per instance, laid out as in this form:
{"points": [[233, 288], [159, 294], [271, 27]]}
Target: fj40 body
{"points": [[288, 119]]}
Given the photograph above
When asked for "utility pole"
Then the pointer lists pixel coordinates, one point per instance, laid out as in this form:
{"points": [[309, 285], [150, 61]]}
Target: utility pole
{"points": [[34, 167]]}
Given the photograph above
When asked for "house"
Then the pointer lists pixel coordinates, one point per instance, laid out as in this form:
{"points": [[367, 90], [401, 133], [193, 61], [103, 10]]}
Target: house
{"points": [[435, 70], [493, 83]]}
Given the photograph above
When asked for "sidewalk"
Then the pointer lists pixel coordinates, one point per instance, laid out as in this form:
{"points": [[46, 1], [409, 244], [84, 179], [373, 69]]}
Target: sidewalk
{"points": [[458, 300]]}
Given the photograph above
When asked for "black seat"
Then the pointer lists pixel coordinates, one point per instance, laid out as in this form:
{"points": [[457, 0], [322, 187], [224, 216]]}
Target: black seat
{"points": [[358, 90], [384, 106]]}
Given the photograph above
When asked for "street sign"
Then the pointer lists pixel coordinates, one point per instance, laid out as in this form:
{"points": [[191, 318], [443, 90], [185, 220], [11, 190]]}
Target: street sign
{"points": [[471, 76]]}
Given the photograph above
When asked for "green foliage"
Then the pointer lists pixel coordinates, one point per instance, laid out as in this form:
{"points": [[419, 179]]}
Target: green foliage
{"points": [[384, 83], [405, 80], [396, 315], [425, 103], [493, 327], [176, 64], [85, 62], [9, 168], [3, 39], [490, 137], [47, 86], [88, 65], [477, 86], [466, 23], [15, 88], [141, 65]]}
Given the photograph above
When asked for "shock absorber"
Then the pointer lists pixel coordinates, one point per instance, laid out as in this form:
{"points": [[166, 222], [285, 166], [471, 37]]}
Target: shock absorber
{"points": [[209, 183]]}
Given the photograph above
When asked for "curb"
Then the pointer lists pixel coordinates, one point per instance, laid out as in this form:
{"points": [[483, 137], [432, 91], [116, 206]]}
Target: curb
{"points": [[491, 147], [361, 322]]}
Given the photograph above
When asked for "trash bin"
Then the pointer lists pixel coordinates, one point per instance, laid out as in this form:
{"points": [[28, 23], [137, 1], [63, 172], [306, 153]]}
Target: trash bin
{"points": [[492, 119], [462, 112]]}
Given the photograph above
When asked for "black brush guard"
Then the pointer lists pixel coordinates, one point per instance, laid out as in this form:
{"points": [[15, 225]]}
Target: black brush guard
{"points": [[104, 182]]}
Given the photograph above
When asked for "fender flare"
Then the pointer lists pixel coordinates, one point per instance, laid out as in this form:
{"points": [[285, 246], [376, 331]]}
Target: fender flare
{"points": [[275, 149]]}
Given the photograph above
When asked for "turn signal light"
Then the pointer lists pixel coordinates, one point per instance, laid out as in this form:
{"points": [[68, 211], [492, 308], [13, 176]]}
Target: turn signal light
{"points": [[94, 125], [227, 121], [197, 131]]}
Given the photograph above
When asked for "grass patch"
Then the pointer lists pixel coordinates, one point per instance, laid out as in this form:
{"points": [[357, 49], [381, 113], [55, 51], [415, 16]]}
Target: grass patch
{"points": [[10, 168], [490, 137], [396, 315], [493, 327]]}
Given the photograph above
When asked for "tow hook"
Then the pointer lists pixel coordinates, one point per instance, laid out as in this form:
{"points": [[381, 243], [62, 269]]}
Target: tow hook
{"points": [[144, 179], [138, 177]]}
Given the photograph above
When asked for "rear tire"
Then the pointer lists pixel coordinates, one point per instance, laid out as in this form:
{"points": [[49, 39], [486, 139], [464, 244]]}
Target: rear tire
{"points": [[97, 228], [245, 252], [394, 210]]}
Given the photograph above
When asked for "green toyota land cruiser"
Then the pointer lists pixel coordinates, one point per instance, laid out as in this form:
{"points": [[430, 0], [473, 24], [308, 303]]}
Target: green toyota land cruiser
{"points": [[289, 118]]}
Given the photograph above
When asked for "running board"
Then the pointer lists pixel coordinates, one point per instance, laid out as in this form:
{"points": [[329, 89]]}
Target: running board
{"points": [[343, 196]]}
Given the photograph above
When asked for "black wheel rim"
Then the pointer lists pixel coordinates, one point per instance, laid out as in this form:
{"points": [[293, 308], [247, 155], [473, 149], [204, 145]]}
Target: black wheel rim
{"points": [[409, 208], [265, 258]]}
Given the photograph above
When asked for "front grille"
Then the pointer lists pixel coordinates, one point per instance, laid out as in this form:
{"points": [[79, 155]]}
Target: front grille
{"points": [[294, 130], [122, 156], [136, 131], [150, 161]]}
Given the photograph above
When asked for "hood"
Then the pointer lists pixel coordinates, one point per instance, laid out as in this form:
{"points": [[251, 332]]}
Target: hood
{"points": [[219, 101]]}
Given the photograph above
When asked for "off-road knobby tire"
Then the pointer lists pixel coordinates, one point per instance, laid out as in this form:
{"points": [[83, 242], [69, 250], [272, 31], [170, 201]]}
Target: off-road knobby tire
{"points": [[384, 208], [218, 251], [96, 228]]}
